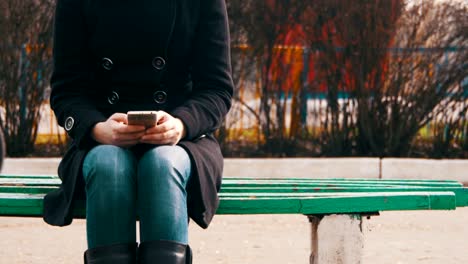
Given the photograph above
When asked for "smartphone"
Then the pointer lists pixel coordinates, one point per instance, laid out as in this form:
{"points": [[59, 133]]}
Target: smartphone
{"points": [[142, 118]]}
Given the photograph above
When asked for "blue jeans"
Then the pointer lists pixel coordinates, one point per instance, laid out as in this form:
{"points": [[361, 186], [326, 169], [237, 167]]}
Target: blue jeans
{"points": [[120, 186]]}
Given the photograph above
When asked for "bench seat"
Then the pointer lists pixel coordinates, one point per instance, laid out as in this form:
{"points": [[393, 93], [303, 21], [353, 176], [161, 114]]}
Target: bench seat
{"points": [[22, 195]]}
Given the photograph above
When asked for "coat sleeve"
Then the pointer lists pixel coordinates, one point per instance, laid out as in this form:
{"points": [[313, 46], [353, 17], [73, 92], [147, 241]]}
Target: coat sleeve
{"points": [[70, 83], [213, 87]]}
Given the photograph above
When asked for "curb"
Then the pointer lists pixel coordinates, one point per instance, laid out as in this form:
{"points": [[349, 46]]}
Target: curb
{"points": [[325, 168], [425, 169]]}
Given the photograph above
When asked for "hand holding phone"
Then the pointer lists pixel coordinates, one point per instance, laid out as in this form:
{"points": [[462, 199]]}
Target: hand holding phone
{"points": [[115, 131], [169, 131], [142, 118]]}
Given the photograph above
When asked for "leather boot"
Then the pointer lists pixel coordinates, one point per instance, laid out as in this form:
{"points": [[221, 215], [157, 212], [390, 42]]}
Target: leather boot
{"points": [[112, 254], [163, 252], [188, 255]]}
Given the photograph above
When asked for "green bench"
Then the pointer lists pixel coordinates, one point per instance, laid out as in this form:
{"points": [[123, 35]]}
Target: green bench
{"points": [[342, 200]]}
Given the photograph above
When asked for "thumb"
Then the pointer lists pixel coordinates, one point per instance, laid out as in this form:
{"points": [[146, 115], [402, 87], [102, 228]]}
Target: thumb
{"points": [[119, 117], [162, 117]]}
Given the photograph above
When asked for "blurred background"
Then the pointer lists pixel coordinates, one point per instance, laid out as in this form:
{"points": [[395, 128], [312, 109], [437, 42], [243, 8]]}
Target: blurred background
{"points": [[321, 78]]}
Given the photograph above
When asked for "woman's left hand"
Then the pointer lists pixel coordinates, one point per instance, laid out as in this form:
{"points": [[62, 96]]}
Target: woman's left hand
{"points": [[168, 131]]}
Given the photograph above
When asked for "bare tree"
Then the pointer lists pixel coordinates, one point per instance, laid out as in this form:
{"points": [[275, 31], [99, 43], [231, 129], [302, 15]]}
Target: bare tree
{"points": [[350, 41], [399, 66], [425, 71], [25, 66]]}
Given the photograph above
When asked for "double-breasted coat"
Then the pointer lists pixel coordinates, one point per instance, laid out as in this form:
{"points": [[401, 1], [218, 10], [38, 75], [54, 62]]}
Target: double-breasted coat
{"points": [[115, 56]]}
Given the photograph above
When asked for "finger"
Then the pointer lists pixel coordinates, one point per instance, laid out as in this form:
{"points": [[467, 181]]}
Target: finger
{"points": [[170, 135], [125, 137], [159, 142], [162, 128], [162, 117], [127, 129], [157, 137], [119, 117], [130, 129]]}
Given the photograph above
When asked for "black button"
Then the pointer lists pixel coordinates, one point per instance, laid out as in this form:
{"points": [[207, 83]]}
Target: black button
{"points": [[69, 122], [160, 97], [159, 63], [113, 98], [107, 64]]}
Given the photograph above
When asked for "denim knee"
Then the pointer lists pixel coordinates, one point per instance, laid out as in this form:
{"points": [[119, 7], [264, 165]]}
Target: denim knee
{"points": [[165, 165], [110, 167]]}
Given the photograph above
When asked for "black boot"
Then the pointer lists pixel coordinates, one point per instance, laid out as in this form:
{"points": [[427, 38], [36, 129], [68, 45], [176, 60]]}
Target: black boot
{"points": [[112, 254], [163, 252], [188, 255]]}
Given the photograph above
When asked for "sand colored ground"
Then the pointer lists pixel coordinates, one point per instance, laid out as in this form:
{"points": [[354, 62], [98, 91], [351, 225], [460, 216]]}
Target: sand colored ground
{"points": [[393, 238]]}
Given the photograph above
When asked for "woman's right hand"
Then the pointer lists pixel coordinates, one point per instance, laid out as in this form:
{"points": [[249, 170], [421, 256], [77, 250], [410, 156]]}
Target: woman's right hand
{"points": [[115, 131]]}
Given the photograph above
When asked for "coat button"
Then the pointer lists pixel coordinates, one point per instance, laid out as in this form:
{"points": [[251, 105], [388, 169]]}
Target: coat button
{"points": [[160, 97], [107, 64], [159, 63], [113, 98], [69, 122]]}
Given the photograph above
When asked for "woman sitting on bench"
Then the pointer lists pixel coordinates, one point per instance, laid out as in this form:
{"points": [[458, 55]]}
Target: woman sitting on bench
{"points": [[171, 57]]}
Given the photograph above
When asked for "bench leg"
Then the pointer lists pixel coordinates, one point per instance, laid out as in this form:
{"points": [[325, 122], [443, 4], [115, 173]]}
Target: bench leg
{"points": [[336, 239]]}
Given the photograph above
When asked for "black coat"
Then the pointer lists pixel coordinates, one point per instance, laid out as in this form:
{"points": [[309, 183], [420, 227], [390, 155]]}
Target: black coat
{"points": [[115, 56]]}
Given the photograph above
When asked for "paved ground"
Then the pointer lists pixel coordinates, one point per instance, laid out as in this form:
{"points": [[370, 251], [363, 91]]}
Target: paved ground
{"points": [[394, 237]]}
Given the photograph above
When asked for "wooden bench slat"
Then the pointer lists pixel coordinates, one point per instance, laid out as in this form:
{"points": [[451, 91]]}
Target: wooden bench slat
{"points": [[345, 180], [230, 180], [263, 189], [460, 192], [338, 179], [323, 194], [230, 183], [30, 182], [458, 202], [27, 189], [330, 205], [227, 182], [8, 176], [266, 178]]}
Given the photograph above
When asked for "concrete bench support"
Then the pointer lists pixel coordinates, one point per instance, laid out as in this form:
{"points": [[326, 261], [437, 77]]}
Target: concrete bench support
{"points": [[336, 239]]}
